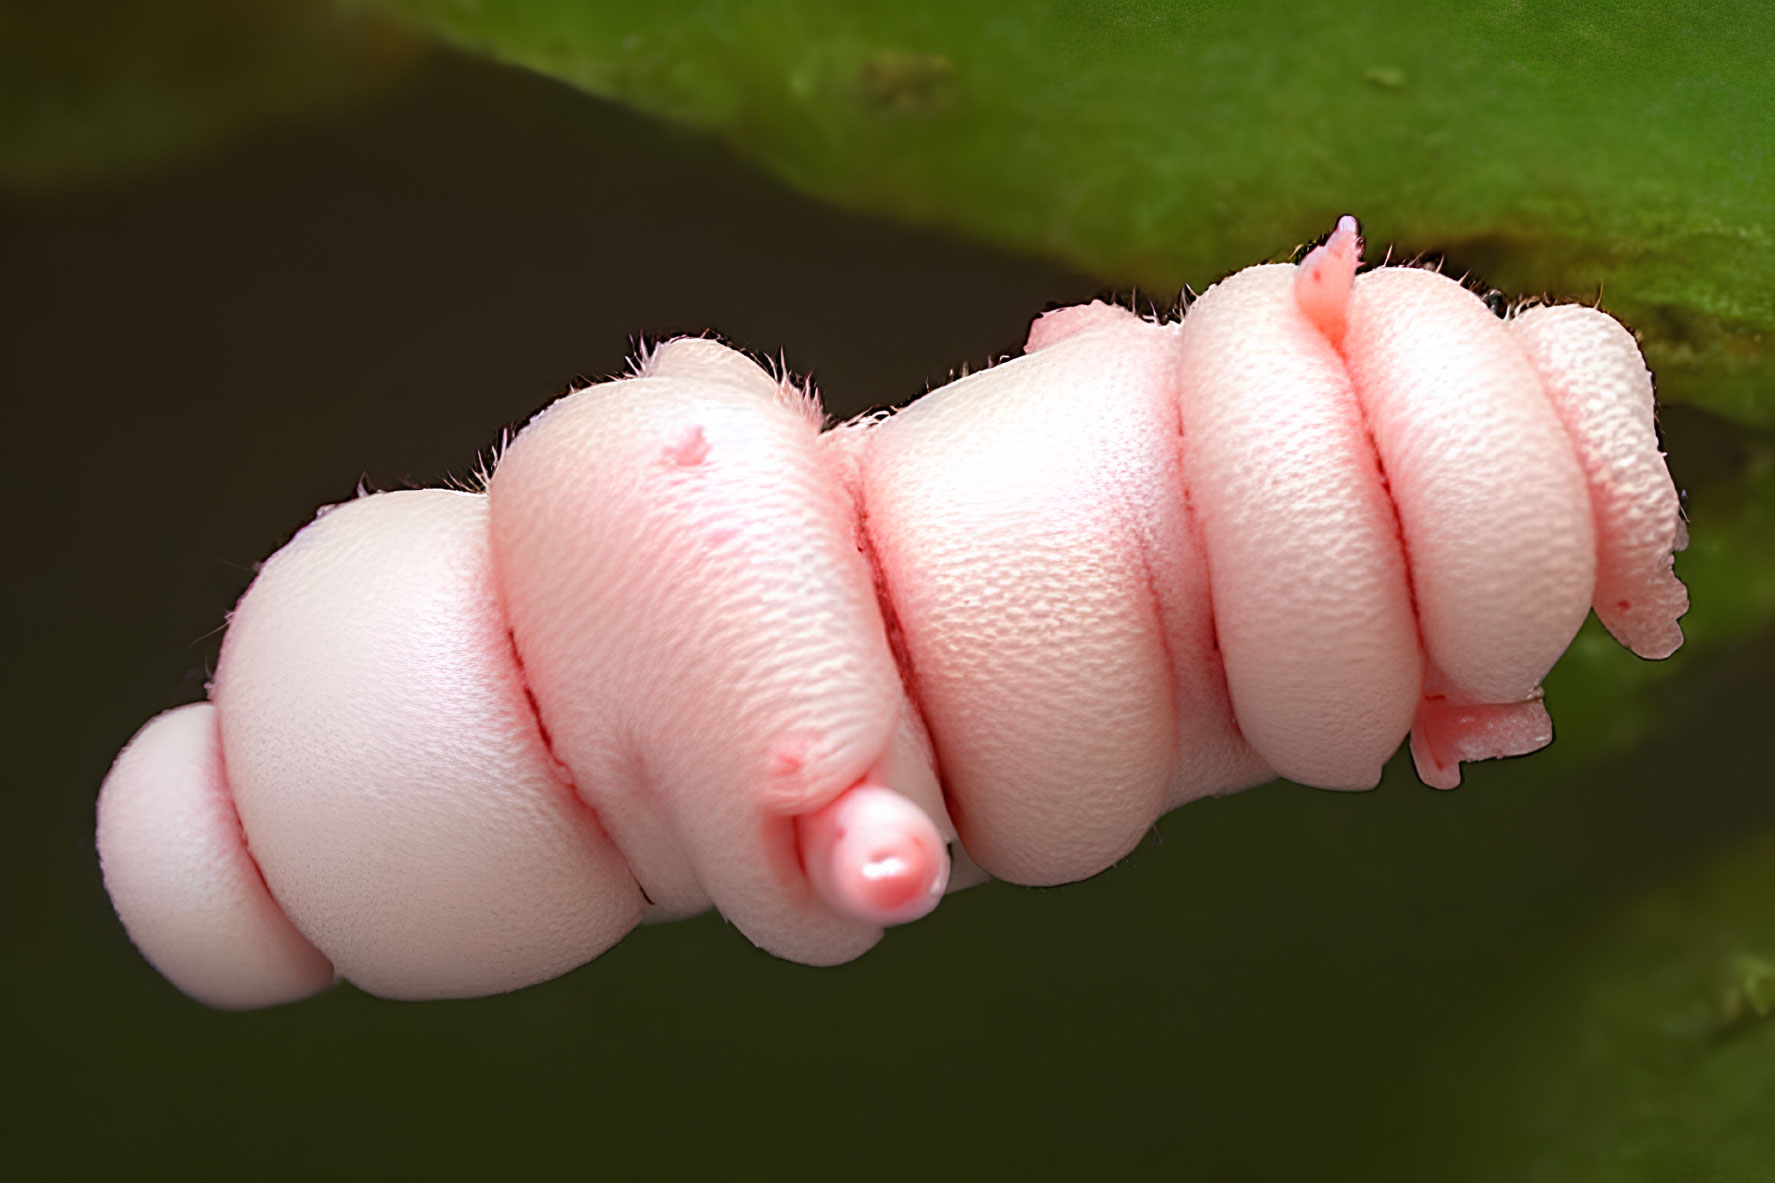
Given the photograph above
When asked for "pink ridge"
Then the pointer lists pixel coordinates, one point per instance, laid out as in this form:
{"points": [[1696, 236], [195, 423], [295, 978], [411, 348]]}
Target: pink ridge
{"points": [[1598, 383]]}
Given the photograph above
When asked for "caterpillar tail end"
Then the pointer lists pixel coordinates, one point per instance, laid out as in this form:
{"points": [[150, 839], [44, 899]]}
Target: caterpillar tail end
{"points": [[177, 868], [875, 856], [1322, 281]]}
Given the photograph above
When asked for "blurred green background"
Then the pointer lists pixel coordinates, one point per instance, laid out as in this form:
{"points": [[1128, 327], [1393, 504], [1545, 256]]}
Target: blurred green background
{"points": [[248, 261]]}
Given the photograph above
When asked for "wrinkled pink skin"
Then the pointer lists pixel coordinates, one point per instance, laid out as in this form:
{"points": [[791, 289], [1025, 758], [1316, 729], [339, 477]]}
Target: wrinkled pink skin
{"points": [[690, 651]]}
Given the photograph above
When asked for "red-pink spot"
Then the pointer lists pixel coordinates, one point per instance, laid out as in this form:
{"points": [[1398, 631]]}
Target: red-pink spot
{"points": [[789, 756], [894, 877], [690, 450]]}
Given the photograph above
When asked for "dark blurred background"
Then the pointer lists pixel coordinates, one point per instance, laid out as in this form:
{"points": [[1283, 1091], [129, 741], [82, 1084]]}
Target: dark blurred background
{"points": [[1283, 984]]}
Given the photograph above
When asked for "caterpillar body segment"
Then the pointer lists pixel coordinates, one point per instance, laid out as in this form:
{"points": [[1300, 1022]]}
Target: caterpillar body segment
{"points": [[1592, 371], [1492, 507], [1308, 576], [702, 635], [1050, 597], [389, 772], [177, 867], [689, 650]]}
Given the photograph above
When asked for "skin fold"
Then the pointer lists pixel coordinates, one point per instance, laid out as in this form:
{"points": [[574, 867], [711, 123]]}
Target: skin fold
{"points": [[691, 650]]}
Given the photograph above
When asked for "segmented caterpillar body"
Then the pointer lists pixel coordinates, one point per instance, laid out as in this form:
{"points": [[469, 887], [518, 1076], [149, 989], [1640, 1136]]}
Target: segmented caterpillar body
{"points": [[690, 650]]}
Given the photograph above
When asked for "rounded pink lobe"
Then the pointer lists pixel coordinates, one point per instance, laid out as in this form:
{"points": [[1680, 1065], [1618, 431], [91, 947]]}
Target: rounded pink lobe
{"points": [[389, 769], [1592, 371], [1311, 597], [1493, 511], [178, 872], [1050, 599], [1061, 323]]}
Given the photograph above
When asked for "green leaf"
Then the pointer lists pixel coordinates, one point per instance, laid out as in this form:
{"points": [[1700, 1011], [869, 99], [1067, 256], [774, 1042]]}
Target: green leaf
{"points": [[91, 89], [1616, 149], [1649, 1054]]}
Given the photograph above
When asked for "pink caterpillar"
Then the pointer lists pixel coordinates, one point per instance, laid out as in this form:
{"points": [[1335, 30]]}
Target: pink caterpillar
{"points": [[690, 650]]}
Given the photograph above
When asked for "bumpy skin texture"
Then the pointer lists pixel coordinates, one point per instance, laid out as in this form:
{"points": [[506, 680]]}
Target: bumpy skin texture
{"points": [[689, 650], [1602, 391], [388, 770]]}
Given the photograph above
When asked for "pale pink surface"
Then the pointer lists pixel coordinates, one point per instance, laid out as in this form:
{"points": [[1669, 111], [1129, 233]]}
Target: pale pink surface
{"points": [[679, 560], [1492, 504], [1050, 598], [1309, 583], [388, 768], [1139, 564], [1599, 385], [875, 855], [177, 868]]}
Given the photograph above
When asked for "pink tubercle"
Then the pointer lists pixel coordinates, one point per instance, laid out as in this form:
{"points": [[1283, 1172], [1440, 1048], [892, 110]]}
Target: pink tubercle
{"points": [[1322, 282], [875, 856]]}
